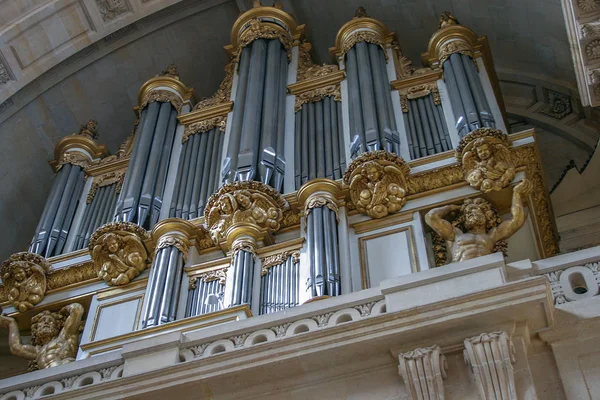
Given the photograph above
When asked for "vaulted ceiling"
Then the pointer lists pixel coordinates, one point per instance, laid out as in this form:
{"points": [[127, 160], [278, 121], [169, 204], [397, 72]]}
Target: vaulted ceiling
{"points": [[60, 74]]}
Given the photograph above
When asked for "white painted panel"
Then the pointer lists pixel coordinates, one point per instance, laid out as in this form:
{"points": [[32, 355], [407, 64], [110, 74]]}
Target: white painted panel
{"points": [[387, 256], [522, 245], [116, 319]]}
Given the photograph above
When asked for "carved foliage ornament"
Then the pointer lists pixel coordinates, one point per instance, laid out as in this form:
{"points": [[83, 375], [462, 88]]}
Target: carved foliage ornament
{"points": [[110, 178], [485, 158], [119, 252], [110, 9], [309, 70], [73, 158], [377, 183], [455, 46], [204, 126], [363, 36], [162, 96], [588, 5], [419, 91], [244, 202], [278, 259], [258, 29], [321, 201], [179, 242], [24, 276], [90, 129], [315, 95], [423, 371]]}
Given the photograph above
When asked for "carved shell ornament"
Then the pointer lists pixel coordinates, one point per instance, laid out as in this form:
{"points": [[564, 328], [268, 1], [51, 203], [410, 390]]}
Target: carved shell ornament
{"points": [[485, 159], [377, 183], [24, 276], [244, 202], [119, 252]]}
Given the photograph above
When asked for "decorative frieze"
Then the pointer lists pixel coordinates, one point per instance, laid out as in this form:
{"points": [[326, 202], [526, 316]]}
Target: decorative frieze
{"points": [[111, 9], [107, 179], [423, 371], [490, 356]]}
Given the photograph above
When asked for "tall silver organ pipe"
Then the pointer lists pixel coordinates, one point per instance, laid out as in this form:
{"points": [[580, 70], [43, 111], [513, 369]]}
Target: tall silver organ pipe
{"points": [[204, 296], [98, 212], [280, 286], [54, 225], [197, 176], [469, 103], [323, 252], [372, 123], [426, 128], [256, 144], [141, 197], [319, 150], [242, 268]]}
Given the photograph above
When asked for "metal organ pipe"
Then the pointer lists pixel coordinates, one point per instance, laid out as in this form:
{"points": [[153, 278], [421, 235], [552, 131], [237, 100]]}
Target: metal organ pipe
{"points": [[279, 286], [427, 134]]}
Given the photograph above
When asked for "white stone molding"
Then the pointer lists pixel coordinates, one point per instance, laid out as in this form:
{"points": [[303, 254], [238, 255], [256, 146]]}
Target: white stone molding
{"points": [[490, 356], [423, 371], [575, 283]]}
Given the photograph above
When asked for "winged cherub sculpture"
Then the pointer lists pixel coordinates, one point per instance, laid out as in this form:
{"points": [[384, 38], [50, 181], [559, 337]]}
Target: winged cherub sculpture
{"points": [[24, 275]]}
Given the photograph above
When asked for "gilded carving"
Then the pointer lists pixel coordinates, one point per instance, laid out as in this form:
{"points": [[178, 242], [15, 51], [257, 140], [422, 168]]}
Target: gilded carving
{"points": [[312, 96], [223, 93], [363, 36], [110, 178], [307, 69], [260, 30], [244, 202], [204, 126], [71, 275], [419, 91], [320, 201], [177, 241], [484, 155], [171, 72], [54, 336], [214, 275], [290, 218], [377, 183], [24, 276], [90, 129], [73, 158], [271, 261], [455, 46], [447, 19], [162, 96], [243, 245], [435, 179], [478, 228], [119, 252]]}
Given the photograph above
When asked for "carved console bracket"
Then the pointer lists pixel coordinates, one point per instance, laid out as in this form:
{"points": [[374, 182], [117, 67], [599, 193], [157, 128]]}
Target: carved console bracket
{"points": [[423, 371], [485, 158], [24, 278], [119, 252], [378, 183], [490, 356]]}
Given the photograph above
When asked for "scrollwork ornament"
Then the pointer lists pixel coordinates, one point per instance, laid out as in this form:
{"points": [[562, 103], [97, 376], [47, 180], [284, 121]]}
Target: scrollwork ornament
{"points": [[204, 126], [163, 96], [119, 252], [363, 36], [177, 241], [74, 158], [214, 275], [24, 278], [377, 182], [272, 261], [315, 95], [243, 245], [485, 158], [110, 178], [320, 201], [258, 29], [455, 46]]}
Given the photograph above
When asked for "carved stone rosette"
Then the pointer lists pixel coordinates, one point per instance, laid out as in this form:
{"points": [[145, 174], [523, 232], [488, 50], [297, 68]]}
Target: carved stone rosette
{"points": [[485, 158], [378, 183], [119, 252], [423, 371], [490, 356], [247, 203], [24, 278]]}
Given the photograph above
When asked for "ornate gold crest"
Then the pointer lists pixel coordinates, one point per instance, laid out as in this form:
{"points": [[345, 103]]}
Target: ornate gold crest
{"points": [[24, 275], [484, 155], [119, 252], [377, 183], [244, 202]]}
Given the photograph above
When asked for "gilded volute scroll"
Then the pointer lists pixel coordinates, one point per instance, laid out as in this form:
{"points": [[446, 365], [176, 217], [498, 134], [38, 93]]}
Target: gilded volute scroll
{"points": [[54, 336], [119, 252], [484, 155], [248, 202], [377, 183], [24, 275]]}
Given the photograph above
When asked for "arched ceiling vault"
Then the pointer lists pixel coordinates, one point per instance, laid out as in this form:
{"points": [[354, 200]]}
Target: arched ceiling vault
{"points": [[48, 92]]}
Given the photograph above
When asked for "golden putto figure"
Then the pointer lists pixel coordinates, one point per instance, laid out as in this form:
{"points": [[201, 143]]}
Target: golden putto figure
{"points": [[480, 225], [486, 160], [244, 202], [90, 129], [54, 336], [24, 274], [119, 252], [377, 181]]}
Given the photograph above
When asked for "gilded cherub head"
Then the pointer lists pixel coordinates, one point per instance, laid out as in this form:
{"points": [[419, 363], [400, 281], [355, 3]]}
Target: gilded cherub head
{"points": [[372, 171], [483, 149], [112, 243], [90, 129], [45, 326]]}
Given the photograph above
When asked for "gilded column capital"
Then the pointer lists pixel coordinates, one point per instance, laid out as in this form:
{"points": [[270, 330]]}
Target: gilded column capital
{"points": [[361, 28], [247, 206], [119, 252], [267, 23], [165, 88], [175, 232], [79, 148], [378, 183], [320, 192], [451, 38], [24, 278]]}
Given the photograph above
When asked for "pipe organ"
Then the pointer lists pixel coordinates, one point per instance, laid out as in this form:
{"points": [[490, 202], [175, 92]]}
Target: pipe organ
{"points": [[296, 181]]}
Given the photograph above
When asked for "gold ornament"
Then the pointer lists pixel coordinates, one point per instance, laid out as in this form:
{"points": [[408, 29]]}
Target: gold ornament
{"points": [[455, 46], [484, 155], [181, 243], [119, 252], [54, 336], [478, 228], [377, 183], [90, 129], [318, 94], [106, 179], [214, 275], [24, 276], [309, 70], [223, 93], [258, 29], [419, 91], [171, 71], [162, 96], [364, 36], [73, 158], [248, 202], [204, 126], [447, 19]]}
